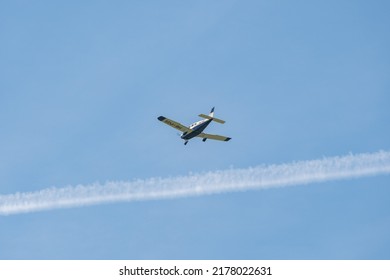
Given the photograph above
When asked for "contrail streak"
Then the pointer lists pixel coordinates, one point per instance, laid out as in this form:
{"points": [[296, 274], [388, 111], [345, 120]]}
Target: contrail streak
{"points": [[260, 177]]}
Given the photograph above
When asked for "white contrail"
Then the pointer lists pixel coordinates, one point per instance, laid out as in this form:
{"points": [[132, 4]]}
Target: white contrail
{"points": [[260, 177]]}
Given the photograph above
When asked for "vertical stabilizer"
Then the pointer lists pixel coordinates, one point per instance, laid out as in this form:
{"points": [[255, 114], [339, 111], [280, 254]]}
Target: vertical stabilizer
{"points": [[212, 112]]}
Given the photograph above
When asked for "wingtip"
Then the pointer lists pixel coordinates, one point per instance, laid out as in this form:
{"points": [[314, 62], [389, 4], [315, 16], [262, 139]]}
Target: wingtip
{"points": [[161, 118], [227, 139]]}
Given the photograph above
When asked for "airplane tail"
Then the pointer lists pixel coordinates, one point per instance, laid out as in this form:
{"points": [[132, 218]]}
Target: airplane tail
{"points": [[212, 112], [211, 117]]}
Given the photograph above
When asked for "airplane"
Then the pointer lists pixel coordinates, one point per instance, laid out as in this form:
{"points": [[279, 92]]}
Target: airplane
{"points": [[196, 129]]}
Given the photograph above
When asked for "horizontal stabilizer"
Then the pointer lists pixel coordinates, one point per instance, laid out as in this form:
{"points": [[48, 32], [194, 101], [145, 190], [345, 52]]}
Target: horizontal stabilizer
{"points": [[212, 118]]}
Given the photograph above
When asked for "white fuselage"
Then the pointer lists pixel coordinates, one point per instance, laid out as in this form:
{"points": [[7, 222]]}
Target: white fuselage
{"points": [[197, 128]]}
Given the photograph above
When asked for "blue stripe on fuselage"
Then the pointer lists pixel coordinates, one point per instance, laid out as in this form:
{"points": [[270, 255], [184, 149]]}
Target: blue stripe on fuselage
{"points": [[196, 130]]}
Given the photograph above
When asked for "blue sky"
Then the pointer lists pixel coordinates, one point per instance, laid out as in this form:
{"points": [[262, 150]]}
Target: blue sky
{"points": [[82, 83]]}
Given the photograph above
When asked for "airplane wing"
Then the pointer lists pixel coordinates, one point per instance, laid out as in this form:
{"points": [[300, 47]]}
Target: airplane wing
{"points": [[174, 124], [214, 137]]}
